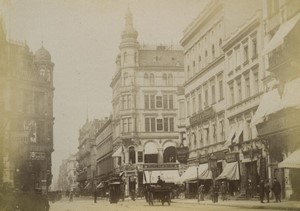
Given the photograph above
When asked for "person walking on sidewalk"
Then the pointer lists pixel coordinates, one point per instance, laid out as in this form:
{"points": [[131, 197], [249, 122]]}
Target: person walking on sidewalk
{"points": [[201, 193], [261, 190], [223, 191], [276, 188], [267, 190], [95, 193]]}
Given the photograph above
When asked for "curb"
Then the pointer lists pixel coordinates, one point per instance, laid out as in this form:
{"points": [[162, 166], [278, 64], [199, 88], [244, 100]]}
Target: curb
{"points": [[242, 206]]}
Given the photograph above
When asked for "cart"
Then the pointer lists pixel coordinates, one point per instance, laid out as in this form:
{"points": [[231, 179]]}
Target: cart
{"points": [[114, 190], [159, 193]]}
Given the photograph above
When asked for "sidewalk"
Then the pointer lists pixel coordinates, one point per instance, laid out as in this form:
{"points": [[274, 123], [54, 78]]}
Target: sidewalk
{"points": [[284, 205]]}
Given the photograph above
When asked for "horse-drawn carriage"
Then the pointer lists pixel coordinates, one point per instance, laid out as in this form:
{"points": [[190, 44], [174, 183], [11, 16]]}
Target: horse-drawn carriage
{"points": [[158, 193]]}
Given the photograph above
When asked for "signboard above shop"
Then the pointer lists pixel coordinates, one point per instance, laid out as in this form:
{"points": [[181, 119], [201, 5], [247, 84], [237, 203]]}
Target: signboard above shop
{"points": [[37, 155], [202, 116]]}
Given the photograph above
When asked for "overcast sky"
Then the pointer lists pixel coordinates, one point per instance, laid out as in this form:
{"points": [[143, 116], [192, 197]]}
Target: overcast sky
{"points": [[83, 38]]}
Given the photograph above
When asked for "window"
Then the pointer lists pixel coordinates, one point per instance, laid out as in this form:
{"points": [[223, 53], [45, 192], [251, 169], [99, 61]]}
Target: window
{"points": [[129, 101], [213, 93], [220, 41], [152, 102], [194, 105], [246, 54], [140, 157], [221, 92], [165, 101], [166, 124], [171, 124], [159, 124], [170, 101], [194, 65], [206, 57], [199, 60], [231, 92], [152, 124], [239, 88], [131, 155], [130, 125], [221, 129], [188, 107], [247, 86], [146, 79], [146, 101], [158, 101], [181, 110], [214, 133], [230, 62], [125, 79], [200, 102], [170, 80], [213, 51], [206, 98], [125, 57], [147, 124], [188, 72], [237, 57], [249, 130], [125, 126], [254, 48], [151, 79], [164, 79], [255, 76]]}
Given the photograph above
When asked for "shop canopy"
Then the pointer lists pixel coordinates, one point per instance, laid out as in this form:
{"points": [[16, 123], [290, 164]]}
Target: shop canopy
{"points": [[272, 102], [169, 176], [282, 32], [230, 172], [118, 152], [292, 161], [191, 173]]}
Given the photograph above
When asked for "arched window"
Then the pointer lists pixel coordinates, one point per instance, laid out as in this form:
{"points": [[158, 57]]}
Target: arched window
{"points": [[125, 79], [170, 154], [164, 79], [146, 79], [131, 155], [151, 79], [151, 153], [170, 80]]}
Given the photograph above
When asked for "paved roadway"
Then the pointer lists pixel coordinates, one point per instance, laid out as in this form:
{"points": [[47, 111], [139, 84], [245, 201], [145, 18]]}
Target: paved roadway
{"points": [[87, 204]]}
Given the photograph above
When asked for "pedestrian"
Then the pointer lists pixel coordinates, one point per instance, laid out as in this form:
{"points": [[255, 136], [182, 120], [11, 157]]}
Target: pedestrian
{"points": [[223, 190], [216, 194], [200, 193], [261, 190], [249, 189], [95, 195], [267, 190], [71, 196], [276, 188]]}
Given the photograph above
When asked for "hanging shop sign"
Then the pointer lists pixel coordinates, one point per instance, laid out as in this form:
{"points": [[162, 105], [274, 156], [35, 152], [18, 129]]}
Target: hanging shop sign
{"points": [[231, 157], [182, 153]]}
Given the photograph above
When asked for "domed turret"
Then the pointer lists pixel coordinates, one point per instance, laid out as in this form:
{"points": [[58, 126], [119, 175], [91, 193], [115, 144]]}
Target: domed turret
{"points": [[42, 55]]}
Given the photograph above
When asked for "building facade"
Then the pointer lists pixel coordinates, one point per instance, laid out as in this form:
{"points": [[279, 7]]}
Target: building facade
{"points": [[277, 117], [26, 93], [145, 109], [207, 125], [104, 147], [86, 155]]}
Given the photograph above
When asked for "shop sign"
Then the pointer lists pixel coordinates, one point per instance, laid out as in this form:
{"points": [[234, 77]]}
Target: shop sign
{"points": [[231, 157], [202, 116], [37, 155], [161, 166], [182, 154]]}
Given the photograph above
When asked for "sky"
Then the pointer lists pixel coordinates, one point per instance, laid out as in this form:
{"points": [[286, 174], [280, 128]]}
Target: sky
{"points": [[83, 37]]}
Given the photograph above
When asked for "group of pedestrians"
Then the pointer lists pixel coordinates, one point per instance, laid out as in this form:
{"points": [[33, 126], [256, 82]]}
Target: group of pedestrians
{"points": [[265, 190]]}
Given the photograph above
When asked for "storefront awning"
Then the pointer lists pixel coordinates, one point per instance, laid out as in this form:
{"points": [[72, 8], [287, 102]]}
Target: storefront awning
{"points": [[271, 101], [292, 161], [150, 148], [230, 137], [169, 176], [282, 32], [191, 173], [230, 172], [118, 152]]}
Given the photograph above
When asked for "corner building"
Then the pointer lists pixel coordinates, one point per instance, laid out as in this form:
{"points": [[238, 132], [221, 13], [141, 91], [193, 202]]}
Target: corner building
{"points": [[145, 110]]}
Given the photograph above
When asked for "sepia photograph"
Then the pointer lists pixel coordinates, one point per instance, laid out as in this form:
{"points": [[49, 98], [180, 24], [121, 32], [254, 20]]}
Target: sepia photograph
{"points": [[149, 104]]}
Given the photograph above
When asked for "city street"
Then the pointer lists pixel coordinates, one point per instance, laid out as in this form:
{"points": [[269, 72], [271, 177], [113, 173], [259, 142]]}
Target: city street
{"points": [[140, 204]]}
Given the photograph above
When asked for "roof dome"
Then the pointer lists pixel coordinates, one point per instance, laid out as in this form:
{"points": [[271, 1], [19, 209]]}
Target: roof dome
{"points": [[42, 54]]}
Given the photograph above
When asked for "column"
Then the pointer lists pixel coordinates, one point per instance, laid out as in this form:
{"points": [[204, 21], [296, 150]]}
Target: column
{"points": [[160, 155]]}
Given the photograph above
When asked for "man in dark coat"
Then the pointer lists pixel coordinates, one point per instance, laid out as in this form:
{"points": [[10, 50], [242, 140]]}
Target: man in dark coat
{"points": [[267, 190], [276, 188], [261, 190]]}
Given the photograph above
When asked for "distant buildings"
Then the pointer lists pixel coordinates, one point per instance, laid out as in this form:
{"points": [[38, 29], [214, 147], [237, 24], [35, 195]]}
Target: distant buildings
{"points": [[26, 109], [67, 178]]}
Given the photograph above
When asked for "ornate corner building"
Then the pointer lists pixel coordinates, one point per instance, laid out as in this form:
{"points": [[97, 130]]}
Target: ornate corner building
{"points": [[145, 133], [26, 107]]}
